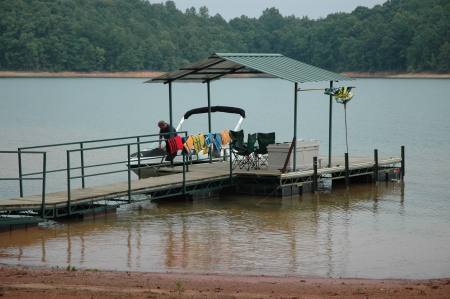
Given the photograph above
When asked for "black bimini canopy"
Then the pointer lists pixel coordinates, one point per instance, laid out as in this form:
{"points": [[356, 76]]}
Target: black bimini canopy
{"points": [[225, 109]]}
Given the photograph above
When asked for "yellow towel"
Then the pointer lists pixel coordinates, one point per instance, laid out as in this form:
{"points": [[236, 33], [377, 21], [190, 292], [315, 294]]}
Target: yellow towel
{"points": [[198, 143], [189, 144]]}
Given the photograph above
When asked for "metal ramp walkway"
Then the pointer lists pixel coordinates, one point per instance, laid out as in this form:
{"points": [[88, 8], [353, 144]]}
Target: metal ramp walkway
{"points": [[201, 178]]}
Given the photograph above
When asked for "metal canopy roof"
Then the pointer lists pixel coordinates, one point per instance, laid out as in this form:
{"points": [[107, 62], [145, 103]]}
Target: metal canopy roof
{"points": [[224, 64]]}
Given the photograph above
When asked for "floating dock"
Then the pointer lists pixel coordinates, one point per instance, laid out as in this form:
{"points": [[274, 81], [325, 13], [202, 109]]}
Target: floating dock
{"points": [[202, 181]]}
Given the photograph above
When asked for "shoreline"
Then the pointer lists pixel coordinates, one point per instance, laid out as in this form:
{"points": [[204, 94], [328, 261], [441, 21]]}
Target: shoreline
{"points": [[153, 74], [40, 282]]}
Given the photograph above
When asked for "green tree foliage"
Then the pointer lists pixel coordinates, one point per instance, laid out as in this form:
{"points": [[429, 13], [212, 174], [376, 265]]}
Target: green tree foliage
{"points": [[133, 35]]}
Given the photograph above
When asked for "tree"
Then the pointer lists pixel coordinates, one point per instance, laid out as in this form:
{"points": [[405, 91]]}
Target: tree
{"points": [[443, 58], [58, 35]]}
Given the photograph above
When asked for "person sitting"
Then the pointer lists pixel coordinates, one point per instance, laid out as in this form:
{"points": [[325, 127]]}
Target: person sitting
{"points": [[165, 128]]}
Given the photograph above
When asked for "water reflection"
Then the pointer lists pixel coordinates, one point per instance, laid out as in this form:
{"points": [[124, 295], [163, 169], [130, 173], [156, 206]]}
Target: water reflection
{"points": [[329, 234]]}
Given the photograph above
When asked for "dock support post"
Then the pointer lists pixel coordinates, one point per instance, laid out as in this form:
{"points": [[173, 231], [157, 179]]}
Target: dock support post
{"points": [[330, 126], [315, 185], [170, 108], [375, 168], [403, 162], [208, 87], [294, 166], [347, 174], [209, 106]]}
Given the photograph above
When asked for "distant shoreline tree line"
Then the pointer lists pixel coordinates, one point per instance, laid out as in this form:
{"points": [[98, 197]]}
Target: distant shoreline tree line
{"points": [[136, 35]]}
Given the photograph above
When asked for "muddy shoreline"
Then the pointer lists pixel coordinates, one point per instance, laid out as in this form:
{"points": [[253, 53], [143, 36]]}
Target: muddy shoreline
{"points": [[149, 74], [39, 282]]}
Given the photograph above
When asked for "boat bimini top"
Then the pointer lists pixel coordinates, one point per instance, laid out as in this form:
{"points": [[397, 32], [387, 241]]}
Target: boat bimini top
{"points": [[225, 109]]}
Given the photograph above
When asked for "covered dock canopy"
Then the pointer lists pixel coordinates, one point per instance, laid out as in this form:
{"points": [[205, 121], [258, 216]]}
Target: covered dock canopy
{"points": [[220, 65]]}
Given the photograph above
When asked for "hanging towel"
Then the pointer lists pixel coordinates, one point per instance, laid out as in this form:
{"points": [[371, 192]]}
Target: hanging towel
{"points": [[205, 150], [342, 95], [202, 140], [217, 141], [197, 143], [225, 137], [208, 141], [189, 145]]}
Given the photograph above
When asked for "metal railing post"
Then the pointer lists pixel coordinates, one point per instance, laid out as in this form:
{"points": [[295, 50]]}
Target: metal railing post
{"points": [[231, 162], [403, 162], [69, 207], [138, 155], [129, 174], [184, 175], [82, 164], [20, 172], [44, 178], [375, 167], [347, 172], [315, 184]]}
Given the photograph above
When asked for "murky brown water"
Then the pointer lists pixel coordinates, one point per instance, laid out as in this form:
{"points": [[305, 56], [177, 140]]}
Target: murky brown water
{"points": [[373, 231], [338, 234]]}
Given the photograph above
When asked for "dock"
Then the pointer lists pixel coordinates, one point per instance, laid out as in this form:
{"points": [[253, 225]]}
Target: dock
{"points": [[202, 181]]}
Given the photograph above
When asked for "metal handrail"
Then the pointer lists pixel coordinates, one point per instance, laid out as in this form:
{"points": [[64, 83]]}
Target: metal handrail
{"points": [[94, 141], [82, 144], [81, 166], [44, 173]]}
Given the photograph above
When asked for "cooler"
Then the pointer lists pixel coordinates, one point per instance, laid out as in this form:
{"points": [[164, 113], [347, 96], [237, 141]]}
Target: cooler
{"points": [[306, 151]]}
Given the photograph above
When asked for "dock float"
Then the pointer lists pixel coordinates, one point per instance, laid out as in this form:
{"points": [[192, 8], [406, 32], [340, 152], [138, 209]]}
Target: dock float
{"points": [[202, 181]]}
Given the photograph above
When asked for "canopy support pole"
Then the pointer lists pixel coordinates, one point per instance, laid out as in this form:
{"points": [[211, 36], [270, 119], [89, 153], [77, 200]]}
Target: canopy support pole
{"points": [[209, 119], [295, 127], [330, 126], [209, 106], [170, 108]]}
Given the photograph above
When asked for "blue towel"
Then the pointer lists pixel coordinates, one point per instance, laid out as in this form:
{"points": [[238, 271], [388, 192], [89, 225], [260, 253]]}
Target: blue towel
{"points": [[218, 141]]}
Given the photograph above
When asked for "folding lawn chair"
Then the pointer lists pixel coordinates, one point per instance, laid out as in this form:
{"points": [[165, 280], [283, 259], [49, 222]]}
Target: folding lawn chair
{"points": [[261, 154], [237, 140], [243, 154]]}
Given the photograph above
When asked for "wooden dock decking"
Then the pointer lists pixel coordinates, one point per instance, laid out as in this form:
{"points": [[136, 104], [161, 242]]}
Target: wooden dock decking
{"points": [[197, 174]]}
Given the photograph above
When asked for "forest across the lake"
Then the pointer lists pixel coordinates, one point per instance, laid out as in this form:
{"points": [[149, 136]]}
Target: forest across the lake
{"points": [[134, 36]]}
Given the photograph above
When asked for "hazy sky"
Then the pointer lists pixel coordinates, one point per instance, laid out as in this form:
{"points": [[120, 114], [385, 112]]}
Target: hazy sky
{"points": [[314, 9]]}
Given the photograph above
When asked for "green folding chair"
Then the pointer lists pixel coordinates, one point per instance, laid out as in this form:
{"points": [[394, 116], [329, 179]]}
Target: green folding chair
{"points": [[261, 153], [237, 141], [243, 154], [237, 137]]}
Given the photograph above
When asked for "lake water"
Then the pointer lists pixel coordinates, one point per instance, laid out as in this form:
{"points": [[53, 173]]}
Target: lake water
{"points": [[385, 230]]}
